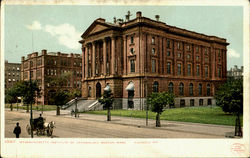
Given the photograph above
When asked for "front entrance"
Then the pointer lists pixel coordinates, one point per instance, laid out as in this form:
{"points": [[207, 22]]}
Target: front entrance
{"points": [[98, 90]]}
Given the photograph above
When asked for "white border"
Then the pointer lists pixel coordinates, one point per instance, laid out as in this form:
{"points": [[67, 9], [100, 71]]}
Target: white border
{"points": [[164, 148]]}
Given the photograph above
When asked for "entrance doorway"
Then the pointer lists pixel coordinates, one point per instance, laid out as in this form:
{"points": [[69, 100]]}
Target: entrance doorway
{"points": [[98, 90]]}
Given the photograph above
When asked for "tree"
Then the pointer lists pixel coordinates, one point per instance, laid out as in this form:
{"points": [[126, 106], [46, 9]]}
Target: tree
{"points": [[59, 98], [11, 96], [157, 102], [28, 90], [229, 97], [107, 100]]}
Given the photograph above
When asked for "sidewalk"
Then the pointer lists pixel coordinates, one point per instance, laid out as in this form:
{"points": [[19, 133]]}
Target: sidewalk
{"points": [[198, 128]]}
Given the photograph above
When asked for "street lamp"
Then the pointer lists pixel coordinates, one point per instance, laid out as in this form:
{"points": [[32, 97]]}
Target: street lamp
{"points": [[76, 107]]}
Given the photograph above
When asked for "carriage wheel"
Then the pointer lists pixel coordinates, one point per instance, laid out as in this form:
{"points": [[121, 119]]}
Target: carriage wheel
{"points": [[28, 128]]}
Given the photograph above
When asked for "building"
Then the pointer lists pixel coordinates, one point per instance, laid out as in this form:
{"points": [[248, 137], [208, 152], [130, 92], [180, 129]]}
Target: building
{"points": [[235, 73], [12, 74], [43, 66], [140, 56]]}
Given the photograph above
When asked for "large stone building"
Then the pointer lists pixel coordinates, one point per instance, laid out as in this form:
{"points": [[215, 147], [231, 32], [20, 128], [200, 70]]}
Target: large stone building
{"points": [[140, 56], [12, 74], [43, 66], [235, 72]]}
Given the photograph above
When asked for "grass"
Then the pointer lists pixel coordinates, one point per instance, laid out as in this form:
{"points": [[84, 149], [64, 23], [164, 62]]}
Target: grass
{"points": [[34, 107], [206, 115]]}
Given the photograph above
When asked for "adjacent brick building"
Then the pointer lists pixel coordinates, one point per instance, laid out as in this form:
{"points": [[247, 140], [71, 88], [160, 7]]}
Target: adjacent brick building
{"points": [[136, 57], [44, 65], [12, 74]]}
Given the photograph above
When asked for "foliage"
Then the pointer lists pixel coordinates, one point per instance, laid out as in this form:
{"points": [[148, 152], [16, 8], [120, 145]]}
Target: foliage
{"points": [[59, 97], [230, 96], [107, 99], [158, 101], [11, 95]]}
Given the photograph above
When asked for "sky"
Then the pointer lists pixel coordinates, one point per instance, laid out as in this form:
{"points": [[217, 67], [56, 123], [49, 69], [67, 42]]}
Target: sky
{"points": [[31, 28]]}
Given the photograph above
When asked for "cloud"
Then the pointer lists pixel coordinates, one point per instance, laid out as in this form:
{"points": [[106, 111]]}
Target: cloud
{"points": [[233, 54], [34, 26], [66, 35]]}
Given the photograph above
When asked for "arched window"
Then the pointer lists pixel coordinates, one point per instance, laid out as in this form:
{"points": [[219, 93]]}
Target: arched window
{"points": [[208, 89], [191, 89], [200, 89], [156, 87], [181, 89], [170, 87]]}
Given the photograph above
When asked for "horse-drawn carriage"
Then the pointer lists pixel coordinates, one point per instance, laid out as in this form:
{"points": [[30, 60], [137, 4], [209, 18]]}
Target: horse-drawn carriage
{"points": [[41, 127]]}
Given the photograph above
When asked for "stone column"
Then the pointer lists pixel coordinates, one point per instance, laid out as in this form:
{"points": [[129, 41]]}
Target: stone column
{"points": [[104, 57], [93, 59], [125, 55], [112, 55], [86, 61]]}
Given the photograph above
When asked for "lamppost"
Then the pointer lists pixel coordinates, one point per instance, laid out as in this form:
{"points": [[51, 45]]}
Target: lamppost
{"points": [[76, 107]]}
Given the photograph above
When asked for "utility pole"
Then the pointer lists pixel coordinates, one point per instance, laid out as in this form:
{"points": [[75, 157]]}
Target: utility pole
{"points": [[31, 114]]}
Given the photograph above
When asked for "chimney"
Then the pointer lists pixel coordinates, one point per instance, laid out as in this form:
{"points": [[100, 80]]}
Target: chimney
{"points": [[23, 58], [138, 14], [36, 54], [157, 17], [44, 52], [58, 53], [100, 20]]}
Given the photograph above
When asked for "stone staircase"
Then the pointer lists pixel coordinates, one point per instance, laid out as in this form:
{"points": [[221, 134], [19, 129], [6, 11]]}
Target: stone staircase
{"points": [[83, 105]]}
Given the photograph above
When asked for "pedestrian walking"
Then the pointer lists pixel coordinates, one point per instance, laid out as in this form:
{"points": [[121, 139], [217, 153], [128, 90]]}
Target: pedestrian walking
{"points": [[17, 130]]}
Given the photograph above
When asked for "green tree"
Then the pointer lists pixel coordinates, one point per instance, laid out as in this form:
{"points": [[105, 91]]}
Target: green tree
{"points": [[28, 90], [107, 100], [11, 96], [59, 98], [157, 102], [229, 97]]}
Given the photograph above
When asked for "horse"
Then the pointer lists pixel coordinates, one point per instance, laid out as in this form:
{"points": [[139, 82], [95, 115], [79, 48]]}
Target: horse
{"points": [[49, 127]]}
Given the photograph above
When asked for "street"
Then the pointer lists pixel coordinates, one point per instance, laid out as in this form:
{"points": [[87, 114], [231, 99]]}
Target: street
{"points": [[82, 127]]}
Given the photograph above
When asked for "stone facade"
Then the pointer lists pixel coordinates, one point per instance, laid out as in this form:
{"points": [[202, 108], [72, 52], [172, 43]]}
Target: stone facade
{"points": [[152, 56], [47, 65], [12, 74], [235, 72]]}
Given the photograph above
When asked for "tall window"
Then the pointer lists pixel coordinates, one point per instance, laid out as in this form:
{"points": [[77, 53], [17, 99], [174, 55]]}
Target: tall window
{"points": [[188, 56], [179, 69], [132, 50], [89, 94], [132, 65], [168, 53], [168, 43], [208, 89], [206, 71], [197, 48], [205, 51], [219, 72], [188, 47], [170, 87], [189, 69], [153, 65], [153, 40], [191, 89], [156, 87], [178, 45], [198, 70], [131, 39], [153, 50], [200, 89], [168, 67], [181, 89]]}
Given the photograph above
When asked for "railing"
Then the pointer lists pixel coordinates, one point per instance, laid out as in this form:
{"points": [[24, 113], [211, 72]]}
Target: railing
{"points": [[68, 104]]}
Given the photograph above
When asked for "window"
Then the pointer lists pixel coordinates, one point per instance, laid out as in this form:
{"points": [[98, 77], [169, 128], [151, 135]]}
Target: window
{"points": [[219, 54], [200, 89], [132, 50], [191, 92], [189, 69], [156, 87], [179, 69], [200, 102], [219, 72], [188, 56], [197, 57], [39, 62], [153, 40], [179, 55], [209, 102], [182, 103], [181, 89], [198, 70], [131, 39], [89, 90], [17, 68], [206, 71], [153, 65], [153, 50], [170, 87], [196, 48], [188, 47], [168, 67], [168, 43], [178, 45], [208, 89], [191, 102], [31, 63], [206, 59], [132, 65], [205, 51], [168, 53]]}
